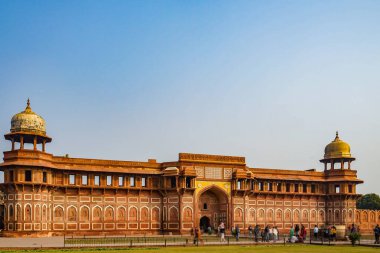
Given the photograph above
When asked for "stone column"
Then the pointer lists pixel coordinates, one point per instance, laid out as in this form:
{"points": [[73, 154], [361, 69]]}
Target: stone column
{"points": [[21, 142], [35, 143]]}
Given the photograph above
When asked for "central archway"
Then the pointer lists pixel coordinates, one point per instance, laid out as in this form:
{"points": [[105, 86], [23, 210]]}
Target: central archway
{"points": [[204, 223], [212, 207]]}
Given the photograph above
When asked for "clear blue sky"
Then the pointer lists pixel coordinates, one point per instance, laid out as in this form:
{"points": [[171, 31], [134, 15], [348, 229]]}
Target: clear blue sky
{"points": [[132, 80]]}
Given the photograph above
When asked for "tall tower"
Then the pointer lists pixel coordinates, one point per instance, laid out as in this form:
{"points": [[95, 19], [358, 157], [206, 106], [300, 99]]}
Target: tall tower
{"points": [[340, 183], [27, 176]]}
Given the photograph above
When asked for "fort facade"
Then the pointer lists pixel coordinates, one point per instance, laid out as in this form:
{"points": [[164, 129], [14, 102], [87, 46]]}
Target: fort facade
{"points": [[45, 195]]}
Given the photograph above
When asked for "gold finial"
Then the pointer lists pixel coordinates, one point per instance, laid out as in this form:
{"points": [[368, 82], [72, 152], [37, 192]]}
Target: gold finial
{"points": [[336, 136], [28, 109]]}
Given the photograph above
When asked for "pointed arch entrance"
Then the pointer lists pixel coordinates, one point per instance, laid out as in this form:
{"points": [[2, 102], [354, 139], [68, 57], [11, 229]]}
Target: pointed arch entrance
{"points": [[204, 223], [212, 207]]}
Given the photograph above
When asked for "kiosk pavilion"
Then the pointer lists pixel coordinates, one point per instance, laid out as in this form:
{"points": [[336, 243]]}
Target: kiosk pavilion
{"points": [[47, 195]]}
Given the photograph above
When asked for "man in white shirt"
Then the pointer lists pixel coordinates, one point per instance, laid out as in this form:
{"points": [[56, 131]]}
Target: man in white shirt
{"points": [[222, 230], [316, 232]]}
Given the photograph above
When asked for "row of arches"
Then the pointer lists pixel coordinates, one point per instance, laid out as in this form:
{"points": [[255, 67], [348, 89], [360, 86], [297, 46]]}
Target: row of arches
{"points": [[97, 213], [43, 213], [367, 216], [84, 213], [295, 215], [17, 213], [108, 213]]}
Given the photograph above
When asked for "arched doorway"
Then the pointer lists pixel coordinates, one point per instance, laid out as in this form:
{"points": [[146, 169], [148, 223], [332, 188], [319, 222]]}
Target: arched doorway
{"points": [[212, 207], [204, 223]]}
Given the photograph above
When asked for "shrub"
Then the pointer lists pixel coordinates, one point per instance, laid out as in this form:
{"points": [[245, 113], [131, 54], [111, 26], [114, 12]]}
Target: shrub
{"points": [[354, 237]]}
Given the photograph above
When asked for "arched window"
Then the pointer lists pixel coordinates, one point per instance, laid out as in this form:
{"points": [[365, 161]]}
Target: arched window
{"points": [[155, 214], [173, 214], [144, 214], [37, 213], [133, 214], [11, 212], [84, 213], [72, 214], [238, 214], [28, 213], [279, 215], [58, 214], [44, 213], [109, 213], [121, 213], [96, 213], [188, 214], [18, 213]]}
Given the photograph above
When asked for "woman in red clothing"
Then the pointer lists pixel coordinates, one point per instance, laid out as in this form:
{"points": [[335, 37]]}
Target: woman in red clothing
{"points": [[302, 233]]}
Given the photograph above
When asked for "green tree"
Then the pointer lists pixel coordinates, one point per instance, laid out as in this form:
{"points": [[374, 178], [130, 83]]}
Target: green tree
{"points": [[369, 201]]}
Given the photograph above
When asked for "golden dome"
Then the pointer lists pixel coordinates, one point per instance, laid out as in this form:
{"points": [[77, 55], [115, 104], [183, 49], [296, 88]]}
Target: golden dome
{"points": [[28, 122], [337, 149]]}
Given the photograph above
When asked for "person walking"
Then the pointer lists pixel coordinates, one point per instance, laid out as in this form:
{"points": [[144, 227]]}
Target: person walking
{"points": [[200, 236], [376, 231], [250, 231], [354, 228], [316, 230], [237, 232], [327, 233], [270, 233], [333, 233], [222, 231], [266, 233], [196, 236], [302, 233], [275, 234], [291, 233], [297, 230], [256, 233]]}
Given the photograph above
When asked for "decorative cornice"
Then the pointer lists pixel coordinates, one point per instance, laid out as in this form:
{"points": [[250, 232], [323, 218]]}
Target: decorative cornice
{"points": [[187, 157]]}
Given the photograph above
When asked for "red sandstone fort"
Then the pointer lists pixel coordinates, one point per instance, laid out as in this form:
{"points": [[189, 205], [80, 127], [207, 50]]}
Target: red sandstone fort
{"points": [[45, 195]]}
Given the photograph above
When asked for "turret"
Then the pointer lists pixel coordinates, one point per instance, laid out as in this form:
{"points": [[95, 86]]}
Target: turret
{"points": [[339, 152], [28, 127]]}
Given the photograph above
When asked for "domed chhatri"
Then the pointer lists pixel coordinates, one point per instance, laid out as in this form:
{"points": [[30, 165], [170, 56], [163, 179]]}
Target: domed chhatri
{"points": [[29, 122], [28, 127], [337, 149]]}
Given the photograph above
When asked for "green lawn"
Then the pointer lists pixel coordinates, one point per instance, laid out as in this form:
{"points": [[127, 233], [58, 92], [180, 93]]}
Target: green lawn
{"points": [[219, 249]]}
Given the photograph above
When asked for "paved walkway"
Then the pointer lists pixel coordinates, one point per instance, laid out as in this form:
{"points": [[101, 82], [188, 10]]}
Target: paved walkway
{"points": [[43, 242], [58, 242]]}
